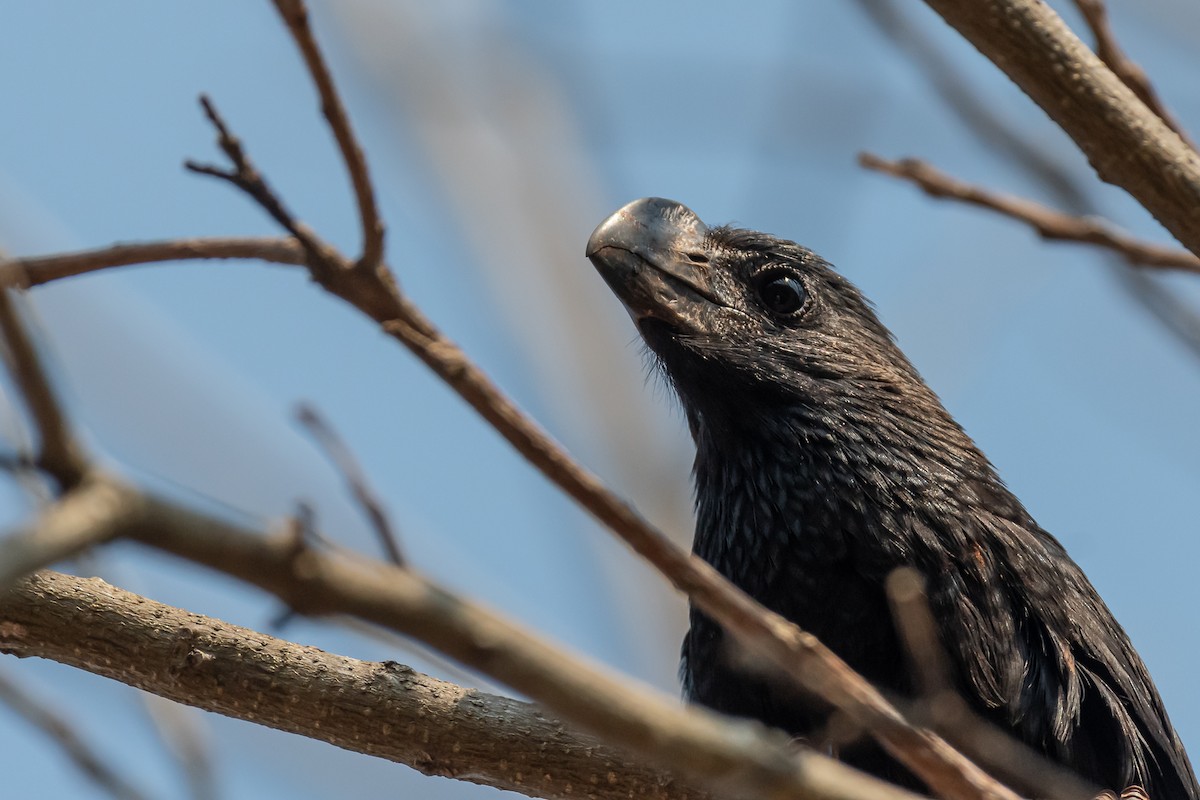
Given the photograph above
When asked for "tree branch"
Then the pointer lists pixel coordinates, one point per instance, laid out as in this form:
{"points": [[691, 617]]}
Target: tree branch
{"points": [[738, 758], [37, 270], [381, 709], [1127, 144], [1049, 224]]}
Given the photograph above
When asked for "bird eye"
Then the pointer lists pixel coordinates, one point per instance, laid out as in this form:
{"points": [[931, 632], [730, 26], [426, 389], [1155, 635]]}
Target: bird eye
{"points": [[783, 295]]}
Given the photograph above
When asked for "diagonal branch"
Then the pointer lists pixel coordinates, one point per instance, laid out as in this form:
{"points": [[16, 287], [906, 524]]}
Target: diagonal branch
{"points": [[1049, 224], [295, 16]]}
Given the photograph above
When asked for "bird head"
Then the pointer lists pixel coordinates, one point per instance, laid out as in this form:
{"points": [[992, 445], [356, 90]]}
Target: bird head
{"points": [[742, 321]]}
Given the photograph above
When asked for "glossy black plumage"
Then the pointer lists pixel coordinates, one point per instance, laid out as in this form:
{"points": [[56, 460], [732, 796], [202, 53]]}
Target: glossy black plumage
{"points": [[823, 462]]}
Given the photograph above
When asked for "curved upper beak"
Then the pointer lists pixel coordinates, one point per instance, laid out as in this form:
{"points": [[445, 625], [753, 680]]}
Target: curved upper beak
{"points": [[652, 228], [654, 254]]}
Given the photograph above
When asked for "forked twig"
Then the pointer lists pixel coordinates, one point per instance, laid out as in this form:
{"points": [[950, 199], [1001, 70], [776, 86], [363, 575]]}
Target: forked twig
{"points": [[246, 177]]}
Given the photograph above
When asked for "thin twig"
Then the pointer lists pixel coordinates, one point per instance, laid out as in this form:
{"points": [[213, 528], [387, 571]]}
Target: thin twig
{"points": [[55, 726], [344, 461], [59, 453], [1095, 14], [37, 270], [1049, 224], [295, 16]]}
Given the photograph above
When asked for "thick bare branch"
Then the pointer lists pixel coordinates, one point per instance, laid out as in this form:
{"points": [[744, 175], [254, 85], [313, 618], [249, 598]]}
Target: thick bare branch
{"points": [[382, 709], [295, 16], [51, 723], [1126, 142], [1049, 224]]}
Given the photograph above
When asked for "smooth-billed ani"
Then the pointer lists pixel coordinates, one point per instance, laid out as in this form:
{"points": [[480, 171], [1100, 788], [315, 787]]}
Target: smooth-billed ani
{"points": [[824, 462]]}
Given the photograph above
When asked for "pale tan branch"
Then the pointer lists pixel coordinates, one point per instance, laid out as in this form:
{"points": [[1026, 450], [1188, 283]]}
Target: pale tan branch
{"points": [[37, 270], [1126, 142], [1095, 13], [1049, 224], [55, 726], [382, 709], [295, 16]]}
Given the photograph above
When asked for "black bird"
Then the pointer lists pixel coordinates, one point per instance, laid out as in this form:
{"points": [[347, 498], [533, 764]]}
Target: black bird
{"points": [[823, 463]]}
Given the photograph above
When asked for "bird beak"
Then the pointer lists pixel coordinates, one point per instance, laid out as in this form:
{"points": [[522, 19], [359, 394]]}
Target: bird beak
{"points": [[654, 254]]}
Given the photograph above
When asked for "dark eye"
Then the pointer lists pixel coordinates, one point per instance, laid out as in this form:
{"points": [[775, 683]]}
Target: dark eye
{"points": [[782, 294]]}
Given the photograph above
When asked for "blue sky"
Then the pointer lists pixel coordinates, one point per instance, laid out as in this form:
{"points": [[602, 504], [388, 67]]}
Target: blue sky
{"points": [[499, 135]]}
